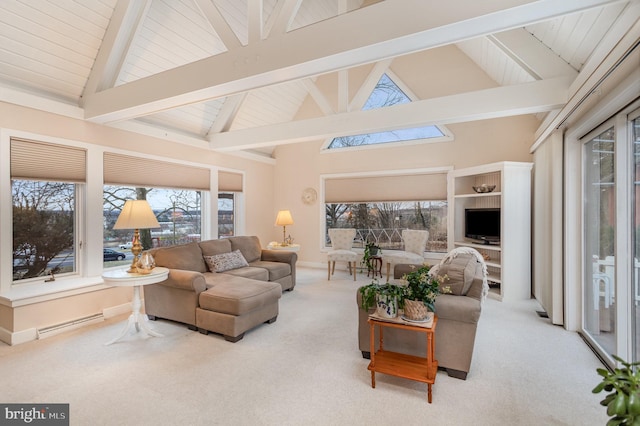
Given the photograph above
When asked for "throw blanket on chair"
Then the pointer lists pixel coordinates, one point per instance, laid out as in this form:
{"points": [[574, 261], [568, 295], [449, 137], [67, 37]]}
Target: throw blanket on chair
{"points": [[466, 250]]}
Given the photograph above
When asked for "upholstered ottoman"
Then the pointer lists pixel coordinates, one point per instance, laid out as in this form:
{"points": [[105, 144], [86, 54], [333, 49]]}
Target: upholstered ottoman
{"points": [[236, 304]]}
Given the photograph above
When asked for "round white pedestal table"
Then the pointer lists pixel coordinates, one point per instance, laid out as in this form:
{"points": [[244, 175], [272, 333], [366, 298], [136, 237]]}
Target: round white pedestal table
{"points": [[122, 278]]}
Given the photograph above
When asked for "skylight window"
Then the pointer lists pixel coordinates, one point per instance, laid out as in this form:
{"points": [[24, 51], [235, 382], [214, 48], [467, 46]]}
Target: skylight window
{"points": [[386, 93]]}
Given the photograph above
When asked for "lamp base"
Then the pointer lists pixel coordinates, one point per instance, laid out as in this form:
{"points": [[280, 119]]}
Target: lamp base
{"points": [[136, 249]]}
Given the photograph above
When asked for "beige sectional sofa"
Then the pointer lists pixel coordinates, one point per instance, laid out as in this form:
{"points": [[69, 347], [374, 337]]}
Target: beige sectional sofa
{"points": [[458, 316], [241, 295]]}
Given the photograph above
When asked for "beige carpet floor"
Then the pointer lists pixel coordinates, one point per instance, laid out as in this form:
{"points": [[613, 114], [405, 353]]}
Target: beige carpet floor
{"points": [[305, 369]]}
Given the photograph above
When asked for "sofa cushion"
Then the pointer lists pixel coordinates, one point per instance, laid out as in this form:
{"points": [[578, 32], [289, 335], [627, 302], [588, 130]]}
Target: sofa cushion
{"points": [[226, 261], [461, 271], [276, 270], [213, 247], [185, 256], [236, 295], [248, 245], [250, 272]]}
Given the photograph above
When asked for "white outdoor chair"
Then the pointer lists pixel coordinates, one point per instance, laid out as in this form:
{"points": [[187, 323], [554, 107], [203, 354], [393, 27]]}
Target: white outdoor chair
{"points": [[601, 279], [415, 242], [341, 244]]}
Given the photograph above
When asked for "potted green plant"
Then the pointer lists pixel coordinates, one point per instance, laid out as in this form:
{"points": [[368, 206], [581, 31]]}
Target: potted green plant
{"points": [[370, 250], [385, 297], [623, 400], [420, 293]]}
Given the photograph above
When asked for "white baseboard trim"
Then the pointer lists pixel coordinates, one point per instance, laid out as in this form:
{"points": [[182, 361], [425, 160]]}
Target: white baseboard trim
{"points": [[17, 337], [341, 266], [117, 310], [30, 334], [316, 265], [5, 336]]}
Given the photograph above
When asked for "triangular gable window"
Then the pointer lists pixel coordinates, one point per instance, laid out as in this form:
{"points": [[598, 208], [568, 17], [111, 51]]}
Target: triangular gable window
{"points": [[386, 93]]}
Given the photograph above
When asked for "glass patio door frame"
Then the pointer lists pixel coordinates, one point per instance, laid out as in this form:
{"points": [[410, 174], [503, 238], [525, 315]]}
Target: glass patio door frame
{"points": [[624, 262], [634, 273]]}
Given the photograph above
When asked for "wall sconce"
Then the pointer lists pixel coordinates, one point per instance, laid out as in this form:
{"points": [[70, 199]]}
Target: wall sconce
{"points": [[283, 219], [136, 214]]}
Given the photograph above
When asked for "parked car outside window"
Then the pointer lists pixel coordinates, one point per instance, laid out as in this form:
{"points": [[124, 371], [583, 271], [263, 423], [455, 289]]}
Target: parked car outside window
{"points": [[126, 245], [109, 254]]}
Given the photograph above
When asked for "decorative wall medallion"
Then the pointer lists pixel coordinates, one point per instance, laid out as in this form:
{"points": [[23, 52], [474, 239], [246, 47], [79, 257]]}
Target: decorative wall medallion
{"points": [[309, 196]]}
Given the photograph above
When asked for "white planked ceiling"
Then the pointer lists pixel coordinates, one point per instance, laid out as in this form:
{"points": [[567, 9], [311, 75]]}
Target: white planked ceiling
{"points": [[65, 51]]}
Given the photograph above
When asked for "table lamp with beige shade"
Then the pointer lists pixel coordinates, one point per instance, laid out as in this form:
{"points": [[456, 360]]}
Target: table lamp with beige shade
{"points": [[136, 214], [283, 219]]}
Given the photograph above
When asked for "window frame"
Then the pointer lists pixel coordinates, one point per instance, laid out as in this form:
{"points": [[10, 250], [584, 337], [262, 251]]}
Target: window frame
{"points": [[447, 134], [362, 239], [78, 191], [154, 206], [89, 240], [322, 197], [11, 291]]}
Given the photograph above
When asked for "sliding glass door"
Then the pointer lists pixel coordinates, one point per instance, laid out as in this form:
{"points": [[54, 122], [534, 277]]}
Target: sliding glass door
{"points": [[599, 239], [611, 236]]}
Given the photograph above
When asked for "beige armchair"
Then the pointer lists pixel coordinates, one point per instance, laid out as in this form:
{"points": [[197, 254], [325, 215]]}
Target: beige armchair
{"points": [[415, 242], [341, 244], [458, 314]]}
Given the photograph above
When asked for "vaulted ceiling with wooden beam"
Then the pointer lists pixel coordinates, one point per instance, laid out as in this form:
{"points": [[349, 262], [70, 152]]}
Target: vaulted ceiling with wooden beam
{"points": [[231, 75]]}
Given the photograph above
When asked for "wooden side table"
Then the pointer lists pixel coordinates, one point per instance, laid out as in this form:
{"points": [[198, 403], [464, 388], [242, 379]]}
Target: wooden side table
{"points": [[122, 278], [403, 365], [376, 266]]}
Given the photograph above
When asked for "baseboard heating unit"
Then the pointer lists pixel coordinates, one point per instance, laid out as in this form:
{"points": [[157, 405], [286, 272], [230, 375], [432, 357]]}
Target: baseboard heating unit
{"points": [[69, 325]]}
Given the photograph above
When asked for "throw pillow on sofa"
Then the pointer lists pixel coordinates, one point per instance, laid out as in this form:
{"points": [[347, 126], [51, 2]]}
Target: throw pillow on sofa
{"points": [[461, 270], [226, 261]]}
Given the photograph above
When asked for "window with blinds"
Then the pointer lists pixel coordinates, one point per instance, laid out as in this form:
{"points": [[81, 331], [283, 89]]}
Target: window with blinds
{"points": [[44, 185], [380, 207], [173, 190], [122, 169], [46, 161]]}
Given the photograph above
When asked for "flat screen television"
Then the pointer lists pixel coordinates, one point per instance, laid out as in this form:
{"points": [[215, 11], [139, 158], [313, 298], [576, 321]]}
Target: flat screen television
{"points": [[482, 225]]}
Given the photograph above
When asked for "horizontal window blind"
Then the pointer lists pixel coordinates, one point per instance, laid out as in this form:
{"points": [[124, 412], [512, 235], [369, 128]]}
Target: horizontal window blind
{"points": [[229, 181], [136, 171], [37, 160], [427, 187]]}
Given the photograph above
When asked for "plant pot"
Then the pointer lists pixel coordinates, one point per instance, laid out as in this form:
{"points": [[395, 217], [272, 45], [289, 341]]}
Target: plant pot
{"points": [[373, 251], [415, 310], [386, 306]]}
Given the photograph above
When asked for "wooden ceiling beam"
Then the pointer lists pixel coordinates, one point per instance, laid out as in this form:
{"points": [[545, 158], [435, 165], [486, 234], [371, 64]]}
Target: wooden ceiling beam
{"points": [[122, 28], [531, 54], [323, 47], [528, 98], [219, 24]]}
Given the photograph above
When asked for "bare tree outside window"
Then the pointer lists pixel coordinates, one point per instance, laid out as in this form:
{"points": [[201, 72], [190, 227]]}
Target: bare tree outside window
{"points": [[178, 212], [386, 94], [382, 222], [43, 228], [226, 214]]}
